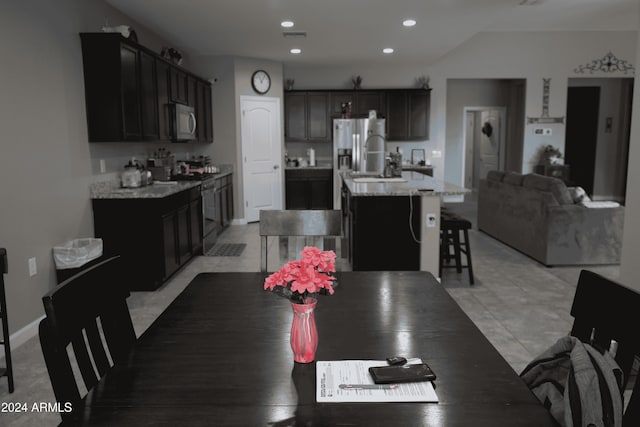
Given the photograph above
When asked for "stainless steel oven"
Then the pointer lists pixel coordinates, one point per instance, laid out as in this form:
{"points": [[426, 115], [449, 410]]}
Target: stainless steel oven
{"points": [[210, 215]]}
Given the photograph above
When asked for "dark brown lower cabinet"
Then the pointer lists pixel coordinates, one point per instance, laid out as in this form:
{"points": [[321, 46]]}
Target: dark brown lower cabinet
{"points": [[154, 236], [309, 188]]}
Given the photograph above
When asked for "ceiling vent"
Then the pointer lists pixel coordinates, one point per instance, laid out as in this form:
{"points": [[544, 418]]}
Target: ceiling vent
{"points": [[528, 2], [294, 34]]}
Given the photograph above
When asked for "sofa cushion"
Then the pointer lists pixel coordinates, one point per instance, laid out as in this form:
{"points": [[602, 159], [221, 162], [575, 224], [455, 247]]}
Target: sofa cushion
{"points": [[513, 178], [578, 194], [495, 176], [547, 183]]}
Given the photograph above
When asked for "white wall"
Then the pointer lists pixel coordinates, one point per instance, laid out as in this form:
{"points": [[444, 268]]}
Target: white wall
{"points": [[629, 271], [234, 80], [47, 164]]}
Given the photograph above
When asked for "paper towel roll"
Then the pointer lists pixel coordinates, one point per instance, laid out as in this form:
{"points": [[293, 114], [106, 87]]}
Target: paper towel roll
{"points": [[312, 157]]}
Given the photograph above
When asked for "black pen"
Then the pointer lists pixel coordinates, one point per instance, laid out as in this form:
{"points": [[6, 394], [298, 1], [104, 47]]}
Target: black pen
{"points": [[368, 386]]}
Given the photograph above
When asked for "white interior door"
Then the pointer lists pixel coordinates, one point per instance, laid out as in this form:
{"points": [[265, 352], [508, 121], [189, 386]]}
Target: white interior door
{"points": [[262, 155], [489, 143]]}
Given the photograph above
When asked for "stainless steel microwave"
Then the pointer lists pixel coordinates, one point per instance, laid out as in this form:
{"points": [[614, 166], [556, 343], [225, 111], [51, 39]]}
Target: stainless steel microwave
{"points": [[183, 120]]}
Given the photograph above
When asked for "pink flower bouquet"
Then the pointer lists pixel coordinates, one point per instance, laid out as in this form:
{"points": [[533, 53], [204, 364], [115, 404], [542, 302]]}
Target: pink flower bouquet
{"points": [[297, 280]]}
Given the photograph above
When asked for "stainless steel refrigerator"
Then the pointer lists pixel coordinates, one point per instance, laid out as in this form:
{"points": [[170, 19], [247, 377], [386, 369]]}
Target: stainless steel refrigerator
{"points": [[366, 140]]}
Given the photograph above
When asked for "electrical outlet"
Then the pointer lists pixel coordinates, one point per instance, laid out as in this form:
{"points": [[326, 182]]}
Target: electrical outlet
{"points": [[431, 220], [103, 166], [33, 268]]}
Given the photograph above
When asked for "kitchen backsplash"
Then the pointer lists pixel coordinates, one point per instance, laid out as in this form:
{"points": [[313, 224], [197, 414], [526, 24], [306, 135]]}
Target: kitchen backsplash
{"points": [[116, 155]]}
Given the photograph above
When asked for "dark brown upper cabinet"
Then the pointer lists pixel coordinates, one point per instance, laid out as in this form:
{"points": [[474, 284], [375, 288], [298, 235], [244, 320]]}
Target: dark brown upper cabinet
{"points": [[339, 98], [369, 100], [128, 89], [163, 78], [407, 114], [149, 97], [179, 86], [307, 116]]}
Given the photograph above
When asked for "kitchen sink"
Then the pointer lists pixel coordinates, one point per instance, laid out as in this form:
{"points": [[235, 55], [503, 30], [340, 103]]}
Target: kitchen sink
{"points": [[356, 174], [364, 179]]}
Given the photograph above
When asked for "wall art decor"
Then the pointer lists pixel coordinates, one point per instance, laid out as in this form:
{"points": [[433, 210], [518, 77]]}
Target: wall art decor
{"points": [[544, 118], [607, 64]]}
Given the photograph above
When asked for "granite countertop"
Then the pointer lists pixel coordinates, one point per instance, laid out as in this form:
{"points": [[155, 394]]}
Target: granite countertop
{"points": [[417, 167], [415, 183], [112, 190], [159, 189], [319, 166]]}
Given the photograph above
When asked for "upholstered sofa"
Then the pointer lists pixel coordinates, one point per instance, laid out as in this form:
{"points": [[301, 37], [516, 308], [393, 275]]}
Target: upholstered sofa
{"points": [[537, 215]]}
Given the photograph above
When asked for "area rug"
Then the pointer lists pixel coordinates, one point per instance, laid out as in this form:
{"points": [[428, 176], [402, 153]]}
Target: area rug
{"points": [[226, 249]]}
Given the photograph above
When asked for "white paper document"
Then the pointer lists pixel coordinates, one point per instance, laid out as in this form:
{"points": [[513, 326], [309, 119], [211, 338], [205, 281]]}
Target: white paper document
{"points": [[350, 381]]}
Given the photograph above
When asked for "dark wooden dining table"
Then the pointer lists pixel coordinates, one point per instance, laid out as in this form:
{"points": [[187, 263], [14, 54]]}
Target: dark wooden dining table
{"points": [[220, 355]]}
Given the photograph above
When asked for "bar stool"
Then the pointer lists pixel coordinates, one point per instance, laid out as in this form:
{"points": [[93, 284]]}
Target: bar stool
{"points": [[451, 227], [8, 370]]}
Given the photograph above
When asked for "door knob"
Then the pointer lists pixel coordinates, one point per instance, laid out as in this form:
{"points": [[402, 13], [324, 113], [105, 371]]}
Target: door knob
{"points": [[276, 166]]}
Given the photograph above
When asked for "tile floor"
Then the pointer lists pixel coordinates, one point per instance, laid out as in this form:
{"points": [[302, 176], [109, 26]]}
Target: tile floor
{"points": [[520, 305]]}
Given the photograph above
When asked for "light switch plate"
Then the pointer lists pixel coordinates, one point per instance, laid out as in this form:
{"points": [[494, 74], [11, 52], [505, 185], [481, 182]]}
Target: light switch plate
{"points": [[33, 268]]}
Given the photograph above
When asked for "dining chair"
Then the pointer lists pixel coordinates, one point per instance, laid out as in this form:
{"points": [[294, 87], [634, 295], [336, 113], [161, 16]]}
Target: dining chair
{"points": [[606, 315], [319, 228], [86, 315], [7, 371]]}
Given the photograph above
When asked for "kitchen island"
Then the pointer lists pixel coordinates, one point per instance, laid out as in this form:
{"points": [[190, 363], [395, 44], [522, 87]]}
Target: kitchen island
{"points": [[394, 223]]}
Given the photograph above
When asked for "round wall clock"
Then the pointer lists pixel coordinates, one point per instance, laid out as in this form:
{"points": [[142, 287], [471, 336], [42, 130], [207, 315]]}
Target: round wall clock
{"points": [[261, 82]]}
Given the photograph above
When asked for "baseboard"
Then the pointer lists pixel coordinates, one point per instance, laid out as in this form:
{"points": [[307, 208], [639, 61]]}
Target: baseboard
{"points": [[239, 221], [24, 334]]}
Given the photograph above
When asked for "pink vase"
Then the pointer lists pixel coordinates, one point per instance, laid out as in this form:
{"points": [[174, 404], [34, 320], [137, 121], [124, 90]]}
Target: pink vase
{"points": [[304, 335]]}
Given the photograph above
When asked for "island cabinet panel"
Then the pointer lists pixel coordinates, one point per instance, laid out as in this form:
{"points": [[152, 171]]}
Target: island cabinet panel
{"points": [[309, 188], [154, 236], [379, 234]]}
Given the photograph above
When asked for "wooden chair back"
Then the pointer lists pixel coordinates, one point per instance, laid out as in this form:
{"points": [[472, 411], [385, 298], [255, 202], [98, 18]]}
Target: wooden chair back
{"points": [[605, 311], [88, 316], [320, 228]]}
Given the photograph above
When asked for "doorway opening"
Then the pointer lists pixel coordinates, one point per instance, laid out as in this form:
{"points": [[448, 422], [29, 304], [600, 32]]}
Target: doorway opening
{"points": [[597, 135], [484, 141]]}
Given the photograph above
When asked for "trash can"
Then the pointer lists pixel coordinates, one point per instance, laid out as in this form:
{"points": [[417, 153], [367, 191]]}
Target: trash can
{"points": [[76, 255]]}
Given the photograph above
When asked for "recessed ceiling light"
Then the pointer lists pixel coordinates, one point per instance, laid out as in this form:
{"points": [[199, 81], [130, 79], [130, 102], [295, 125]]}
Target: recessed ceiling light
{"points": [[387, 50], [296, 51], [409, 22], [286, 24]]}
